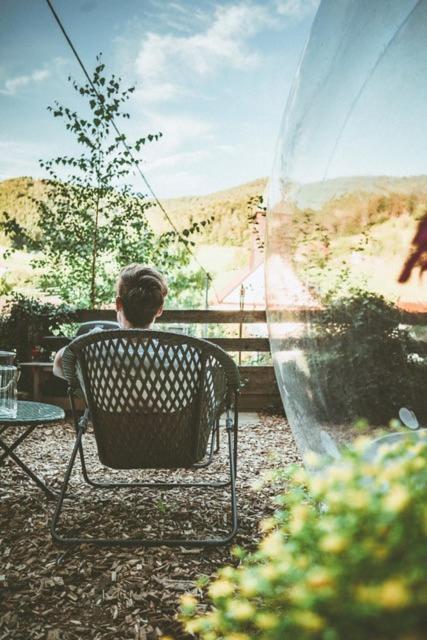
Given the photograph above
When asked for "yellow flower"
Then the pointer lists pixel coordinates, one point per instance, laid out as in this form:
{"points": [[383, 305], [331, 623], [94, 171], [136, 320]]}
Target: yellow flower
{"points": [[311, 459], [309, 620], [248, 586], [193, 626], [212, 619], [318, 485], [300, 477], [241, 610], [227, 573], [334, 543], [393, 472], [302, 562], [270, 571], [188, 602], [418, 449], [272, 544], [393, 594], [237, 636], [221, 589], [298, 593], [369, 469], [361, 444], [336, 498], [319, 578], [341, 473], [397, 499], [299, 517], [358, 498], [267, 525], [267, 621], [418, 463]]}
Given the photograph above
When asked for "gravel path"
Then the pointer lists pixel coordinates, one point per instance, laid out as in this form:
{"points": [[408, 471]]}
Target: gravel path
{"points": [[55, 593]]}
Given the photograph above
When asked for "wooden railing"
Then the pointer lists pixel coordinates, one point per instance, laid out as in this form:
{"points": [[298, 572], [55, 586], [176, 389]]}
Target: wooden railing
{"points": [[259, 391], [189, 317]]}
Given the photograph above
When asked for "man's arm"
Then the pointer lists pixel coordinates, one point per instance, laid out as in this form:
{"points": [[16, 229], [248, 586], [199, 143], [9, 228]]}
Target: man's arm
{"points": [[58, 367]]}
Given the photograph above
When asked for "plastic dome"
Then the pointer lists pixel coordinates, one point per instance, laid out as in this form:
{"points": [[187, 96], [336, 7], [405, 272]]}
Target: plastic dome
{"points": [[346, 242]]}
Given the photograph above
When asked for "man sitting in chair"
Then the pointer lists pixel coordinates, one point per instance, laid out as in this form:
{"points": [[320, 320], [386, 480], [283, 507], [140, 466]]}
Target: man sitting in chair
{"points": [[154, 401], [141, 292]]}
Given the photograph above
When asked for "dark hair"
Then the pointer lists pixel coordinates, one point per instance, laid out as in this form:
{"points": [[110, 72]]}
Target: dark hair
{"points": [[142, 291]]}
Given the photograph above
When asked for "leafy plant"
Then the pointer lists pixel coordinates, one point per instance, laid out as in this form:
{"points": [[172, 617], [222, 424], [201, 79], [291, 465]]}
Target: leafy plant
{"points": [[364, 347], [25, 320], [352, 568], [91, 222]]}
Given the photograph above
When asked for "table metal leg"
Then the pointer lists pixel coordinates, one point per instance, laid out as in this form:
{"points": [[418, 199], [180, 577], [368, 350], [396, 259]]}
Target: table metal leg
{"points": [[17, 441], [9, 452]]}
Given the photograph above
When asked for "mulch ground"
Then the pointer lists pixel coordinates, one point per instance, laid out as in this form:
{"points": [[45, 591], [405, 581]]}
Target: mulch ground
{"points": [[68, 593]]}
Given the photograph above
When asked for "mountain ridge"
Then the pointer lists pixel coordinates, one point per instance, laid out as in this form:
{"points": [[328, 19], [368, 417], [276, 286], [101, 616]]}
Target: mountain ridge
{"points": [[228, 206]]}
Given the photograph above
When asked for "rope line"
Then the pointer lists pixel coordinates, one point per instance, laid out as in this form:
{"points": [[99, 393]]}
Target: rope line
{"points": [[134, 160]]}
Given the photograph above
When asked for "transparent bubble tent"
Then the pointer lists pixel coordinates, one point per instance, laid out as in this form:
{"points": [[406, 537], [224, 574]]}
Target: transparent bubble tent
{"points": [[346, 237]]}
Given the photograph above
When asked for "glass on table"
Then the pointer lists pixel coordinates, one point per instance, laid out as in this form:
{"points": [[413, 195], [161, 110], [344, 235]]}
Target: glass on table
{"points": [[9, 376]]}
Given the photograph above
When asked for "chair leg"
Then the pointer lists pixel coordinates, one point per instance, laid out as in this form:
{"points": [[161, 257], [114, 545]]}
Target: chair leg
{"points": [[232, 430], [64, 487], [81, 423], [212, 450], [144, 542], [217, 437], [236, 428]]}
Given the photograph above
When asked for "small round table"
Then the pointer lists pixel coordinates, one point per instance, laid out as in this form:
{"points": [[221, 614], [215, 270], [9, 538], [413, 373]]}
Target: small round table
{"points": [[30, 415]]}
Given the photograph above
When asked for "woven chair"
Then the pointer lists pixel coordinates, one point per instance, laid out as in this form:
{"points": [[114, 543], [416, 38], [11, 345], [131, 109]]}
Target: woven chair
{"points": [[87, 327], [154, 399]]}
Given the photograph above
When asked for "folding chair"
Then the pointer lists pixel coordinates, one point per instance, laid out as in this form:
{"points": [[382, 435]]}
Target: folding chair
{"points": [[155, 400]]}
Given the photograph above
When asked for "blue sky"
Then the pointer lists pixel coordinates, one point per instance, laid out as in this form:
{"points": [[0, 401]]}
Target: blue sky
{"points": [[212, 76]]}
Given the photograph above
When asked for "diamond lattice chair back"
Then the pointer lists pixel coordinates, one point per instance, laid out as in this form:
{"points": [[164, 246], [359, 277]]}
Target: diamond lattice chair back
{"points": [[154, 399]]}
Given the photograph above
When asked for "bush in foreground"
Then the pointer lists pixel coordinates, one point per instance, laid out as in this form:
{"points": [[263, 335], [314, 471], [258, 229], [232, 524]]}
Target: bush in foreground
{"points": [[344, 558]]}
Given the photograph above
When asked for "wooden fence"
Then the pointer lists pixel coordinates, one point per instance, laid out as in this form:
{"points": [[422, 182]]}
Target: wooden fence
{"points": [[260, 391]]}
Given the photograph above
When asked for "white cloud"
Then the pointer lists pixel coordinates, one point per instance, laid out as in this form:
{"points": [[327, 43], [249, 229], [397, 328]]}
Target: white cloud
{"points": [[177, 130], [157, 92], [296, 8], [12, 85], [164, 60], [179, 159], [186, 145]]}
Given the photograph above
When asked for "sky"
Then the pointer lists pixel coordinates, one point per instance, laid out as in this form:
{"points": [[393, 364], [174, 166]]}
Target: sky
{"points": [[360, 105], [213, 77]]}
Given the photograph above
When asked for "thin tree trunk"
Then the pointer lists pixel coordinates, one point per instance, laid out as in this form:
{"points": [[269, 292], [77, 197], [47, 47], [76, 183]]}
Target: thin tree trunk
{"points": [[94, 253]]}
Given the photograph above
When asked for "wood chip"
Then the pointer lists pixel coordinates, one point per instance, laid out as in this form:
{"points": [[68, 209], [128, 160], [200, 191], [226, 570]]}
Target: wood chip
{"points": [[120, 593]]}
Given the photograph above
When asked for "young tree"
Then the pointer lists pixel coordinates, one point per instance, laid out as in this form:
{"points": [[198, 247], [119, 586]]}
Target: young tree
{"points": [[91, 221]]}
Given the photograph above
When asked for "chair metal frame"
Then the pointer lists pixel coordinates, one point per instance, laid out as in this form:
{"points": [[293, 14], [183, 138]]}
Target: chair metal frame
{"points": [[230, 405]]}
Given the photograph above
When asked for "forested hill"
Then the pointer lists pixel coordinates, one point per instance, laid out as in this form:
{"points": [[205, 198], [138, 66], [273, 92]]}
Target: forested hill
{"points": [[228, 207], [345, 206]]}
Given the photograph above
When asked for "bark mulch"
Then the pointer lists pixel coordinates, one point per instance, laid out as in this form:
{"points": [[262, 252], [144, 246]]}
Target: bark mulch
{"points": [[67, 593]]}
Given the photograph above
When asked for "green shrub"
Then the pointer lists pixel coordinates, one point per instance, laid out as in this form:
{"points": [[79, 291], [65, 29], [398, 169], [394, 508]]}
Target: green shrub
{"points": [[347, 563], [24, 321], [364, 345]]}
